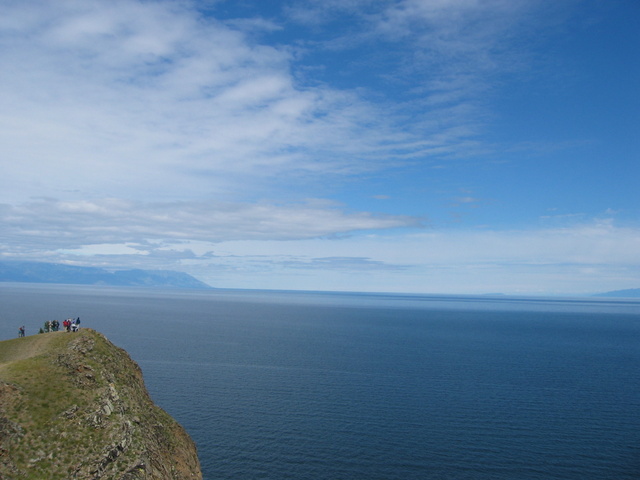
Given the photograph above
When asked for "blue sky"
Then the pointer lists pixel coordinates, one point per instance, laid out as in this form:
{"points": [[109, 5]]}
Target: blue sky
{"points": [[438, 146]]}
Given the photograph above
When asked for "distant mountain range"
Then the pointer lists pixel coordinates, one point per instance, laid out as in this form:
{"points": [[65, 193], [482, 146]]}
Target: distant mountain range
{"points": [[629, 293], [36, 272]]}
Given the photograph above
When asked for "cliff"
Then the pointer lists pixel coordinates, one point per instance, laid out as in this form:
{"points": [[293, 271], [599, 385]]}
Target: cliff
{"points": [[74, 406]]}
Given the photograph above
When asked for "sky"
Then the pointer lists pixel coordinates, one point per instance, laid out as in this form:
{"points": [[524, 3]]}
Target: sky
{"points": [[417, 146]]}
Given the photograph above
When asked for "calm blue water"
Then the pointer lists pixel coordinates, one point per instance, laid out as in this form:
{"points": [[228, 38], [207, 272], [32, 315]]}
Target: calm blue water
{"points": [[278, 385]]}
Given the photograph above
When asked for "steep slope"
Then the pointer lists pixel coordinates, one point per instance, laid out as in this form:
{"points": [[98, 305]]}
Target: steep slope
{"points": [[74, 406]]}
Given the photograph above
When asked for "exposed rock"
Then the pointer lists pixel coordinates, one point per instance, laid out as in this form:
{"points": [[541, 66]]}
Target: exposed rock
{"points": [[77, 408]]}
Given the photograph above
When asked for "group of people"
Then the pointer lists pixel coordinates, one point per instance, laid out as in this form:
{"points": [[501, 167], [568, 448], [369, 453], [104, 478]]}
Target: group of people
{"points": [[51, 326], [69, 325]]}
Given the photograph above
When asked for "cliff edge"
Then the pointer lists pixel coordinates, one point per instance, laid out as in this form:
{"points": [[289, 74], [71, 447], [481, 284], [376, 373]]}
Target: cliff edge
{"points": [[74, 406]]}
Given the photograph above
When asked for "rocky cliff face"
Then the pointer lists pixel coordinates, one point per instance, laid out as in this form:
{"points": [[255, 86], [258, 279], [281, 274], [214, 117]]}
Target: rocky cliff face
{"points": [[74, 406]]}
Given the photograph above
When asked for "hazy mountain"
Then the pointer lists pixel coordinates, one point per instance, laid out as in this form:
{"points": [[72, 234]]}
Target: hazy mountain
{"points": [[36, 272], [628, 293]]}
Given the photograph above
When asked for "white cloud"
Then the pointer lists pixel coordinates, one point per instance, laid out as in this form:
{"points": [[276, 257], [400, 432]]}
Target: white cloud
{"points": [[53, 224], [295, 247], [151, 100], [582, 259], [139, 99], [104, 250], [146, 134], [587, 244]]}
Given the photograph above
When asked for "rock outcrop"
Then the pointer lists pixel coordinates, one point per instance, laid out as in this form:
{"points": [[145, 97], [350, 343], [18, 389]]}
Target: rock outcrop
{"points": [[74, 406]]}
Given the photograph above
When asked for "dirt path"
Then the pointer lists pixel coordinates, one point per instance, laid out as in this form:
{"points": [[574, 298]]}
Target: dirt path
{"points": [[22, 348]]}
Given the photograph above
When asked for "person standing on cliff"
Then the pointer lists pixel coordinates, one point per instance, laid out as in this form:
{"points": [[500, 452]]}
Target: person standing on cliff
{"points": [[21, 331]]}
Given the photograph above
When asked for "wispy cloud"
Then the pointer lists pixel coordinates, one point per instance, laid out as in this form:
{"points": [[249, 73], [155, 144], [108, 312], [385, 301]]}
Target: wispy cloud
{"points": [[571, 259], [440, 62], [54, 224], [455, 44], [151, 134], [119, 106], [135, 99]]}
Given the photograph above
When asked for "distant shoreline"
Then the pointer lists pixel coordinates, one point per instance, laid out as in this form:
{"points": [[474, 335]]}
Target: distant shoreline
{"points": [[55, 273]]}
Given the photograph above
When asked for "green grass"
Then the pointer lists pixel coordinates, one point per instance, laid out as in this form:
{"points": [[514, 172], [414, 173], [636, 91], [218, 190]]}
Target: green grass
{"points": [[46, 391], [50, 377]]}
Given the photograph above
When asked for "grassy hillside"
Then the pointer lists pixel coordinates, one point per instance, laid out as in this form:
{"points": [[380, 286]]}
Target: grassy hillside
{"points": [[74, 406]]}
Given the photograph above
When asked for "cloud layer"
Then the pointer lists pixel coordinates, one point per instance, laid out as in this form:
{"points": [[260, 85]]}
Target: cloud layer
{"points": [[139, 99], [164, 135], [136, 99], [539, 261], [73, 224]]}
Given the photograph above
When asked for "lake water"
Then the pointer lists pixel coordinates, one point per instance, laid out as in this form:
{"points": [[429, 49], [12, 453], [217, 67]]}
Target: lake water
{"points": [[295, 385]]}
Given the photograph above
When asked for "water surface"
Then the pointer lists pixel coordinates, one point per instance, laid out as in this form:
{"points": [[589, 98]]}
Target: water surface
{"points": [[304, 385]]}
